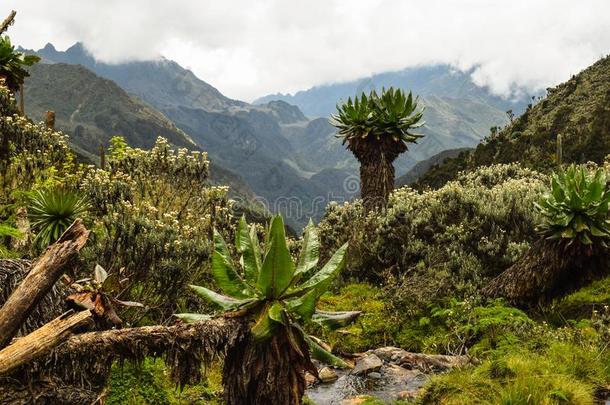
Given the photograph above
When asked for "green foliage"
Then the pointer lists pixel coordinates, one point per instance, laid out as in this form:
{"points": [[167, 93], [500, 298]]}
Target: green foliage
{"points": [[271, 289], [7, 232], [576, 208], [13, 63], [582, 303], [562, 373], [154, 213], [52, 211], [149, 383], [376, 327], [430, 246], [389, 116]]}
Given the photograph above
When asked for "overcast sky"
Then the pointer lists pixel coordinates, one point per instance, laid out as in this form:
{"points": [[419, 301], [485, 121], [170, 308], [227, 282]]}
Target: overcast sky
{"points": [[249, 48]]}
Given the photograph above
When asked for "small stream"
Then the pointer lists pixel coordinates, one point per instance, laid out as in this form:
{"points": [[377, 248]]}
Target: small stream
{"points": [[390, 384]]}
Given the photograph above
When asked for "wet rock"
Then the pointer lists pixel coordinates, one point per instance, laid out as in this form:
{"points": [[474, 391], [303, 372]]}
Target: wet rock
{"points": [[327, 375], [408, 395], [432, 362], [389, 353], [310, 380], [357, 400], [367, 364], [397, 373]]}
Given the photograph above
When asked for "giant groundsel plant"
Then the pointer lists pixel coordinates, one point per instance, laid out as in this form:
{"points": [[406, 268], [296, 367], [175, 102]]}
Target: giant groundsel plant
{"points": [[276, 292], [576, 208]]}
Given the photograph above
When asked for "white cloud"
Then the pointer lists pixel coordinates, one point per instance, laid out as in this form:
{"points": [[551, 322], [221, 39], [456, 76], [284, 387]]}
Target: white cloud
{"points": [[250, 48]]}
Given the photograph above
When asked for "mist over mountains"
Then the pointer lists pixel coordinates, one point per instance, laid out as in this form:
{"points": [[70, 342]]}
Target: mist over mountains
{"points": [[282, 146]]}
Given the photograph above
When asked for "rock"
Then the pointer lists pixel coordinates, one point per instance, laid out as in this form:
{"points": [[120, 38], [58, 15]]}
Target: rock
{"points": [[367, 364], [357, 400], [398, 373], [327, 375], [389, 353], [310, 380], [374, 375], [432, 362], [407, 395]]}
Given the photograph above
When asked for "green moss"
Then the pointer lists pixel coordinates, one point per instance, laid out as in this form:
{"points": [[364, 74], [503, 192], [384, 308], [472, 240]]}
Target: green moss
{"points": [[149, 383], [563, 373], [583, 302], [376, 326]]}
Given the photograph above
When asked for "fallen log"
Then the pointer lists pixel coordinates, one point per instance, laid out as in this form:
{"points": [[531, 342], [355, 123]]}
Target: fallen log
{"points": [[39, 342], [427, 363], [81, 364], [12, 273], [40, 280]]}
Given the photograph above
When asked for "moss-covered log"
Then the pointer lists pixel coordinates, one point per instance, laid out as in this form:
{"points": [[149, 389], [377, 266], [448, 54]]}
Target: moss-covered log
{"points": [[549, 270], [81, 365]]}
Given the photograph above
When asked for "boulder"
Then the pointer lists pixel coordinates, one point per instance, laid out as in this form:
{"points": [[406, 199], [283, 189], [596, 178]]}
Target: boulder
{"points": [[327, 375], [367, 364]]}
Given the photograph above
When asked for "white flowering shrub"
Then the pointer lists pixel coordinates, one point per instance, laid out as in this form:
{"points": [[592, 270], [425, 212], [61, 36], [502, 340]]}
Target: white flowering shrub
{"points": [[440, 243], [30, 154], [154, 216]]}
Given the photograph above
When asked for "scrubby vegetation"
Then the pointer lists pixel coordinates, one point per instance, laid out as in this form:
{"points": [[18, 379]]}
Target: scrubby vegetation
{"points": [[505, 263]]}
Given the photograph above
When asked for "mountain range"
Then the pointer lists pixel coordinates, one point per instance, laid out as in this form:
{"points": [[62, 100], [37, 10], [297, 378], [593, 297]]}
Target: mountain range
{"points": [[577, 110], [287, 156]]}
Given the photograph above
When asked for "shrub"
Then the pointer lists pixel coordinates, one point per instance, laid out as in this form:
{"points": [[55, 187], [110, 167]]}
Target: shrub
{"points": [[432, 245], [154, 215]]}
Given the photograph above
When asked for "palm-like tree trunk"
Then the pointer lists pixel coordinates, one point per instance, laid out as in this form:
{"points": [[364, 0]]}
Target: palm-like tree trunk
{"points": [[376, 159], [376, 182], [271, 372], [549, 270]]}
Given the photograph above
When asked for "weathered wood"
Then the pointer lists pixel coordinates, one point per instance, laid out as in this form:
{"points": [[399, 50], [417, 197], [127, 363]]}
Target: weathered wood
{"points": [[8, 21], [76, 371], [49, 119], [39, 342], [427, 363], [45, 272]]}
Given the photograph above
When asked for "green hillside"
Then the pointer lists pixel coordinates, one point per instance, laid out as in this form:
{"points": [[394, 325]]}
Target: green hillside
{"points": [[578, 110], [92, 109]]}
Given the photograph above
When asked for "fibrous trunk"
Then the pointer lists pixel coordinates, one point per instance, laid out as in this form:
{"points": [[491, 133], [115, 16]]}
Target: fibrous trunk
{"points": [[269, 372], [376, 159], [376, 183], [549, 270]]}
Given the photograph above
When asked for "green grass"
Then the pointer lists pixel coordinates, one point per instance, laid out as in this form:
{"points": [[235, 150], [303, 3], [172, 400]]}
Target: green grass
{"points": [[376, 326], [583, 302], [149, 383], [563, 373]]}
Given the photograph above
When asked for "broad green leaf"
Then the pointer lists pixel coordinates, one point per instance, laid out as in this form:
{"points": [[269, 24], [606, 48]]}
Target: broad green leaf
{"points": [[264, 326], [305, 305], [191, 318], [319, 353], [328, 272], [224, 272], [247, 245], [310, 252], [335, 320], [226, 303], [275, 312], [278, 268]]}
